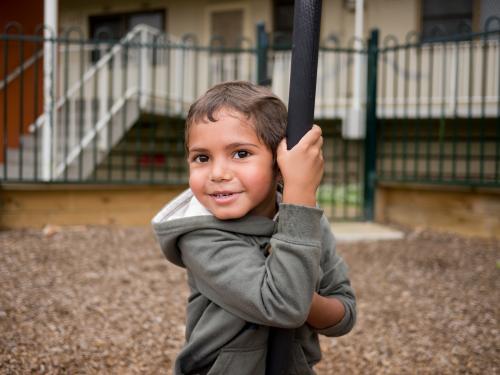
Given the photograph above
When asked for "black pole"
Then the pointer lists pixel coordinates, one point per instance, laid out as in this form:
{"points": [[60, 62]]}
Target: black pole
{"points": [[306, 27], [262, 46], [371, 129]]}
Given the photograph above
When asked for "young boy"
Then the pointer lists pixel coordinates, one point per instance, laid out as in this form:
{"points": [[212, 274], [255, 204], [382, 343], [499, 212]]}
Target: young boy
{"points": [[255, 258]]}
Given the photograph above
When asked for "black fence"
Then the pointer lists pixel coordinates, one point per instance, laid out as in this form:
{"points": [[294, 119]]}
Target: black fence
{"points": [[114, 110]]}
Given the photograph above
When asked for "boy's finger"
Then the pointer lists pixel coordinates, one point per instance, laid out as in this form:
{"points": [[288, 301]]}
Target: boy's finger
{"points": [[311, 136], [316, 132], [317, 128]]}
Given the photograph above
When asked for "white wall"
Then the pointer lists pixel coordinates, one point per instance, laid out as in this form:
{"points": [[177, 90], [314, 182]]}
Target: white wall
{"points": [[193, 16]]}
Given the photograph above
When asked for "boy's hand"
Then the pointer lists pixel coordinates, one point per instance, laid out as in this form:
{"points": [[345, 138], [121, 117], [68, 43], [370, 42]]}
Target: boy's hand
{"points": [[302, 168]]}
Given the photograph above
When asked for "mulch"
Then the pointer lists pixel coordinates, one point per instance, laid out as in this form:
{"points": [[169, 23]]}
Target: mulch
{"points": [[87, 300]]}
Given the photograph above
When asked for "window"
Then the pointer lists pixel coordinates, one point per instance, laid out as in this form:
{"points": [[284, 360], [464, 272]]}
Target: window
{"points": [[227, 27], [446, 17], [283, 22], [106, 27], [115, 26]]}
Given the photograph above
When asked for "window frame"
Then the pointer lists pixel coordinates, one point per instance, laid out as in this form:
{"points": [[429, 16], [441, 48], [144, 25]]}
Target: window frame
{"points": [[124, 19], [472, 21]]}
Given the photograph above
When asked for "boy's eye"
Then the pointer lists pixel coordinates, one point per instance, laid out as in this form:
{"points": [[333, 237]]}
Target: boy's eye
{"points": [[200, 159], [240, 154]]}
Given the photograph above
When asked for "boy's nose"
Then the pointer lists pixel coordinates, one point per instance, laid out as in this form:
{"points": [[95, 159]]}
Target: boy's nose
{"points": [[220, 171]]}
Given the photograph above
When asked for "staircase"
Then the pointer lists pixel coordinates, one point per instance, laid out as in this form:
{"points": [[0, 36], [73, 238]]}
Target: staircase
{"points": [[75, 154], [95, 112]]}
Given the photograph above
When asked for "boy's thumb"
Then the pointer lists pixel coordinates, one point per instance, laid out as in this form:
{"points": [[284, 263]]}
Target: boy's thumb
{"points": [[282, 147]]}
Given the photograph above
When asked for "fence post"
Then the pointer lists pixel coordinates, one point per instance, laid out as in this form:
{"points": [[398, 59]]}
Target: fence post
{"points": [[262, 47], [371, 128], [49, 88]]}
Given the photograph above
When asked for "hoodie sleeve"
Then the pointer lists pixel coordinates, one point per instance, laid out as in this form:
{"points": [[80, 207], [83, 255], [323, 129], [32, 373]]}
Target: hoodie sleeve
{"points": [[234, 274], [335, 283]]}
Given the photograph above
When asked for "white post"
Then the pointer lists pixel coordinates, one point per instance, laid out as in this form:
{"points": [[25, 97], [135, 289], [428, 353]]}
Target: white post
{"points": [[354, 126], [144, 69], [49, 69]]}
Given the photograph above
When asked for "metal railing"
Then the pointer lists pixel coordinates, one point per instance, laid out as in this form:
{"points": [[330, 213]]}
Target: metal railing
{"points": [[439, 116], [118, 108]]}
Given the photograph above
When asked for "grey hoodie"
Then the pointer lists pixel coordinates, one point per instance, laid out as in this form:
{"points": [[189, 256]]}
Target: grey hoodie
{"points": [[239, 288]]}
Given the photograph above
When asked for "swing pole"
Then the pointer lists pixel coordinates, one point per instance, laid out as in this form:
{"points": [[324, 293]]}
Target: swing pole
{"points": [[303, 74], [304, 68]]}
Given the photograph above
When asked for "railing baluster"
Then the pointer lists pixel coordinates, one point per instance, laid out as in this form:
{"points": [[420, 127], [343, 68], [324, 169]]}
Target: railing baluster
{"points": [[66, 106], [442, 122], [405, 131], [81, 108], [5, 107], [428, 155], [394, 135], [110, 101], [21, 109], [469, 112], [482, 125], [124, 144], [37, 79], [95, 110], [455, 114], [417, 111]]}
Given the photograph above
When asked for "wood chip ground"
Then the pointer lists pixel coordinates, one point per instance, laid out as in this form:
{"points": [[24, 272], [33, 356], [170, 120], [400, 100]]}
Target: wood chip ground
{"points": [[103, 300]]}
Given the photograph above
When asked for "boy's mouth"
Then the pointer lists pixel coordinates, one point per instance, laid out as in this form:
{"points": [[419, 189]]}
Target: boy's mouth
{"points": [[222, 196]]}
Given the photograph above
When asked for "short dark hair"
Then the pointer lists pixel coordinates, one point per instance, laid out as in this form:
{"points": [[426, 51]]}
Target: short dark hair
{"points": [[266, 111]]}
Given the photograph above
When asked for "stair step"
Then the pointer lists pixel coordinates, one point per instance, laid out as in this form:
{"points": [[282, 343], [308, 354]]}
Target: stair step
{"points": [[15, 173]]}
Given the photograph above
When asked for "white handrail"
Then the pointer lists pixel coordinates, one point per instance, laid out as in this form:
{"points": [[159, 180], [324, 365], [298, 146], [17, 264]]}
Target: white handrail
{"points": [[17, 72]]}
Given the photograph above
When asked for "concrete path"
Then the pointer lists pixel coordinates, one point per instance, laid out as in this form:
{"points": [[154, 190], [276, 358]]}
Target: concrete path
{"points": [[364, 231]]}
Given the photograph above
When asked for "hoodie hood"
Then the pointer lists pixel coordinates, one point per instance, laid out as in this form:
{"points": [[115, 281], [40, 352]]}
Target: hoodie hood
{"points": [[185, 214], [184, 205]]}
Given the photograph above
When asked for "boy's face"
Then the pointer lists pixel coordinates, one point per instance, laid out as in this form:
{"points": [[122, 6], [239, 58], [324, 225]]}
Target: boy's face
{"points": [[230, 170]]}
